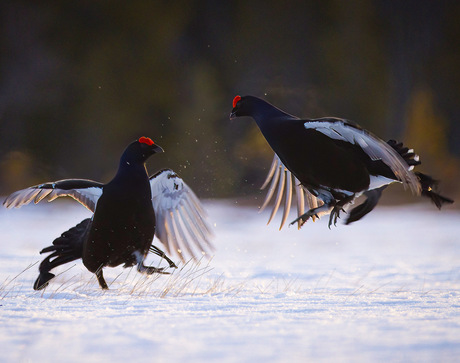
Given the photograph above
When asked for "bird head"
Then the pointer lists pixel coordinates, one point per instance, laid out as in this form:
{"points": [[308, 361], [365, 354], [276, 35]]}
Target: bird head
{"points": [[238, 108], [258, 109], [249, 106], [140, 150]]}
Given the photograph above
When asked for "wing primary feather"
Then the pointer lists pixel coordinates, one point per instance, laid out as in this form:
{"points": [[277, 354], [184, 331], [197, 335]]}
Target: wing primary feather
{"points": [[165, 235], [190, 230], [43, 193], [34, 195], [271, 190], [300, 201], [172, 236], [53, 195], [180, 238], [191, 216], [288, 199], [199, 219], [198, 231], [270, 172], [312, 201], [279, 195], [189, 236], [196, 202], [20, 200]]}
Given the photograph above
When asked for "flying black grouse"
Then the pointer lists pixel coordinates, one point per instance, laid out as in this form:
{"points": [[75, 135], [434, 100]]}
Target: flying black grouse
{"points": [[128, 212], [333, 161]]}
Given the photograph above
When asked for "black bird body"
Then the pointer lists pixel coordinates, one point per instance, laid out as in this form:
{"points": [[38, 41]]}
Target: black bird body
{"points": [[128, 212], [333, 159], [330, 163], [123, 225]]}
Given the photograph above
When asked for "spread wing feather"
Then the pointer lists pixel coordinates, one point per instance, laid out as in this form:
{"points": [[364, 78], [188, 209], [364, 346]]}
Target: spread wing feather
{"points": [[279, 175], [86, 192], [374, 147], [181, 219]]}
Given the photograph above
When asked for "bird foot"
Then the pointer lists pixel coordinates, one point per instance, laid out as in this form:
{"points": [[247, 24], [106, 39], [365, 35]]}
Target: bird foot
{"points": [[305, 217], [160, 253], [337, 208], [150, 270], [335, 214]]}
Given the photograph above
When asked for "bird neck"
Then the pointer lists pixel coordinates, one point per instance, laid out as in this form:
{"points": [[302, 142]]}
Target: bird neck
{"points": [[265, 113], [270, 119], [131, 170]]}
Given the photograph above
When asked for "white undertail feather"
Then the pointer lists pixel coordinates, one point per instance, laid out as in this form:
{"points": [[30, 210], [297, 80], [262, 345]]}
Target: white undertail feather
{"points": [[279, 175]]}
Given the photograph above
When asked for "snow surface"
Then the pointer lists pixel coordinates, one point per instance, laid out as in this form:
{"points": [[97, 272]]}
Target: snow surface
{"points": [[386, 288]]}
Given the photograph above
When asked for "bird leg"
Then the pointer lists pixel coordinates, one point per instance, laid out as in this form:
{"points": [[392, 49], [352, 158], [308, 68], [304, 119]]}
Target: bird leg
{"points": [[100, 279]]}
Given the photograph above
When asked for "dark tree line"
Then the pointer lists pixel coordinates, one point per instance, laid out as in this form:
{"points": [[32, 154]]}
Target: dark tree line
{"points": [[80, 79]]}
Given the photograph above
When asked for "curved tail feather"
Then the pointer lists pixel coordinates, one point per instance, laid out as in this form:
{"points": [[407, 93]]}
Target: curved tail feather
{"points": [[358, 212], [427, 183], [428, 190], [409, 156], [66, 248]]}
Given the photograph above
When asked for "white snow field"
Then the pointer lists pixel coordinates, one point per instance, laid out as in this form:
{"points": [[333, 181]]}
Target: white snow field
{"points": [[386, 288]]}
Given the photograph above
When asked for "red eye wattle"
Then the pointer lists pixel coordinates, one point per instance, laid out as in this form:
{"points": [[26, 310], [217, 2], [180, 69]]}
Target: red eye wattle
{"points": [[235, 100], [146, 140]]}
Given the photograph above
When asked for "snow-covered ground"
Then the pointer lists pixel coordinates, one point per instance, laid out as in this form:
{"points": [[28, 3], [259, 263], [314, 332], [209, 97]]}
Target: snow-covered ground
{"points": [[386, 288]]}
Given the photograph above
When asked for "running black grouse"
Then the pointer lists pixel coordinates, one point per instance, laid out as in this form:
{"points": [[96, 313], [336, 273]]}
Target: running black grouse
{"points": [[333, 162], [128, 212]]}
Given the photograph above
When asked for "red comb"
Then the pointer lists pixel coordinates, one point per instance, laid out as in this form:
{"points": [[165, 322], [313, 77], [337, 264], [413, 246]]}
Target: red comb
{"points": [[146, 140], [235, 100]]}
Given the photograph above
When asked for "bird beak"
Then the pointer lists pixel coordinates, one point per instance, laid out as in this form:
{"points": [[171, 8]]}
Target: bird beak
{"points": [[233, 114], [157, 149]]}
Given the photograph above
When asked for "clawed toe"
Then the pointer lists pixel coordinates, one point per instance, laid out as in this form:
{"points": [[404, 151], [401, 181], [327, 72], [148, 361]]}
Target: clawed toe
{"points": [[153, 270], [150, 270], [335, 214], [304, 218]]}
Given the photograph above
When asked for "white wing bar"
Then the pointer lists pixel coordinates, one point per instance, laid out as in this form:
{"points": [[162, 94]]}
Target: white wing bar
{"points": [[376, 148]]}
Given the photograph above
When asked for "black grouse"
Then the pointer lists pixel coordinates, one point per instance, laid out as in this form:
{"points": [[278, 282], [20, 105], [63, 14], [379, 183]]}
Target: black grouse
{"points": [[128, 212], [333, 161]]}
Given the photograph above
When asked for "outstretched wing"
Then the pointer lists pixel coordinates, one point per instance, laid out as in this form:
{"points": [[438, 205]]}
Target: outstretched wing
{"points": [[374, 147], [280, 176], [86, 192], [180, 217]]}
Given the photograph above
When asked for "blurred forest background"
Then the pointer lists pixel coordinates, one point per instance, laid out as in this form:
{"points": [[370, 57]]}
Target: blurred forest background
{"points": [[79, 80]]}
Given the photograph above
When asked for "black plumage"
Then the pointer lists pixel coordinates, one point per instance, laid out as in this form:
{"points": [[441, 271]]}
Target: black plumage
{"points": [[128, 211], [334, 161]]}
